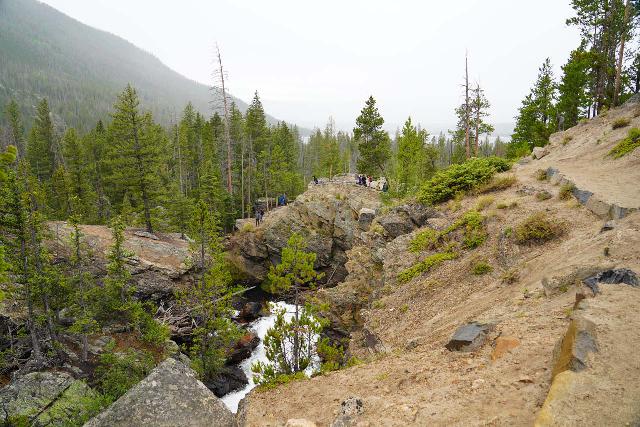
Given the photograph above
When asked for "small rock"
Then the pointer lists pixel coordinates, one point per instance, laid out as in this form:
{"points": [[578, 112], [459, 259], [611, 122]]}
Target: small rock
{"points": [[468, 337], [504, 345], [540, 152], [146, 235], [299, 422], [525, 379], [476, 384], [365, 217], [250, 311], [609, 225], [350, 409]]}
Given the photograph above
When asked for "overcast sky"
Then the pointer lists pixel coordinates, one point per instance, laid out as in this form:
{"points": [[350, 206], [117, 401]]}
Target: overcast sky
{"points": [[311, 60]]}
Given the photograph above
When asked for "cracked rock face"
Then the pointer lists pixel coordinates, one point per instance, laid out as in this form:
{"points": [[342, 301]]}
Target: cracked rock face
{"points": [[44, 398], [169, 396]]}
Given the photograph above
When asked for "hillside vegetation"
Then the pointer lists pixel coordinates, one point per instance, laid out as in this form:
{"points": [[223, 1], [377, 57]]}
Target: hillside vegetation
{"points": [[80, 70]]}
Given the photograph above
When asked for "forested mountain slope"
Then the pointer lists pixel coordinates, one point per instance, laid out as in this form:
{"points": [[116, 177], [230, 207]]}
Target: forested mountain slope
{"points": [[80, 69]]}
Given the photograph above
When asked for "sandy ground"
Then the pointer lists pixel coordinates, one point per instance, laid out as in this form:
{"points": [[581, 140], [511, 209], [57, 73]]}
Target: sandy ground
{"points": [[417, 381]]}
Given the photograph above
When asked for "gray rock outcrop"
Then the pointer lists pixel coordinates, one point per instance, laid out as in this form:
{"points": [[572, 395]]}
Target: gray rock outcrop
{"points": [[43, 399], [170, 395]]}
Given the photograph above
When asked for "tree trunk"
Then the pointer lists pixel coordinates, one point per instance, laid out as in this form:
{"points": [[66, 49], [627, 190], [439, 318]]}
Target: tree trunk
{"points": [[616, 90], [226, 125], [466, 107]]}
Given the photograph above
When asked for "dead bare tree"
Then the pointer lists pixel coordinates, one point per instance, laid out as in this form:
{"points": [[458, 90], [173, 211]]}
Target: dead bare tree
{"points": [[466, 106], [221, 77]]}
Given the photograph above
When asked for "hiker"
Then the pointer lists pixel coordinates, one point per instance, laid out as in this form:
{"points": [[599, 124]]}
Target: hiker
{"points": [[315, 180], [369, 181], [385, 187], [258, 217], [284, 199], [261, 215]]}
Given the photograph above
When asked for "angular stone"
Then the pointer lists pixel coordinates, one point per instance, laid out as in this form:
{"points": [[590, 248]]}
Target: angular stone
{"points": [[503, 346], [350, 409], [572, 350], [468, 337], [539, 152], [598, 207], [609, 225], [169, 396], [615, 276], [396, 224], [146, 235], [582, 195], [365, 217]]}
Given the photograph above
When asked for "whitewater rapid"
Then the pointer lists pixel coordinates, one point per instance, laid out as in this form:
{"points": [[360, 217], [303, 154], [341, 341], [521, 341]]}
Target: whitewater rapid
{"points": [[260, 328]]}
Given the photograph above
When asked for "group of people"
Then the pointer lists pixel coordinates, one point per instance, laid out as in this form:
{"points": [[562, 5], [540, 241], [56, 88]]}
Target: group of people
{"points": [[259, 216], [364, 180]]}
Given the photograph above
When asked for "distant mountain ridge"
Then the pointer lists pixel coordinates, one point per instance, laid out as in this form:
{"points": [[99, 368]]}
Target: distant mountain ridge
{"points": [[80, 69]]}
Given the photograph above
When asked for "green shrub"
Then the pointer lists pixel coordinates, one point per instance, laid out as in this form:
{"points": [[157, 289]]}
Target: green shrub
{"points": [[481, 267], [567, 139], [425, 239], [247, 227], [627, 145], [620, 123], [538, 228], [507, 205], [541, 175], [511, 276], [118, 372], [484, 202], [497, 183], [425, 265], [460, 178], [566, 191], [543, 195], [474, 233]]}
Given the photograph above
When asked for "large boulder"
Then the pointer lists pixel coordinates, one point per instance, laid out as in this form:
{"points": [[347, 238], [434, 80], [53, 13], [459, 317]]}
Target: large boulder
{"points": [[328, 218], [170, 395], [158, 261], [44, 398]]}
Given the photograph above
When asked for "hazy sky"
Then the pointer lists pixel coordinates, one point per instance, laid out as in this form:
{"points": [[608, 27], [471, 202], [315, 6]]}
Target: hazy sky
{"points": [[311, 60]]}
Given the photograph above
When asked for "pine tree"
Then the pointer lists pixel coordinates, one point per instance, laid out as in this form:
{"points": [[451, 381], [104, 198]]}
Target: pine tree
{"points": [[574, 99], [136, 144], [410, 152], [41, 144], [536, 120], [97, 169], [83, 287], [77, 172], [373, 142], [208, 297], [479, 107], [294, 272], [16, 128]]}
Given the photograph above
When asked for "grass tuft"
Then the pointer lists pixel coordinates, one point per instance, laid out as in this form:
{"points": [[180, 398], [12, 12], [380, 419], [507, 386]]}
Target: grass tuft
{"points": [[627, 145], [622, 122], [538, 228]]}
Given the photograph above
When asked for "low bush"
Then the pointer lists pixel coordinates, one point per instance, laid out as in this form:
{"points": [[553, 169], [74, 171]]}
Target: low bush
{"points": [[541, 175], [543, 195], [481, 267], [483, 203], [118, 372], [627, 145], [507, 205], [567, 139], [538, 228], [474, 233], [425, 265], [510, 276], [497, 183], [247, 227], [566, 191], [620, 123], [445, 184]]}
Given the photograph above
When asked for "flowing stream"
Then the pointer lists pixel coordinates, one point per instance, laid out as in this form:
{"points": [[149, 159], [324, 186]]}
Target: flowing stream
{"points": [[260, 328]]}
